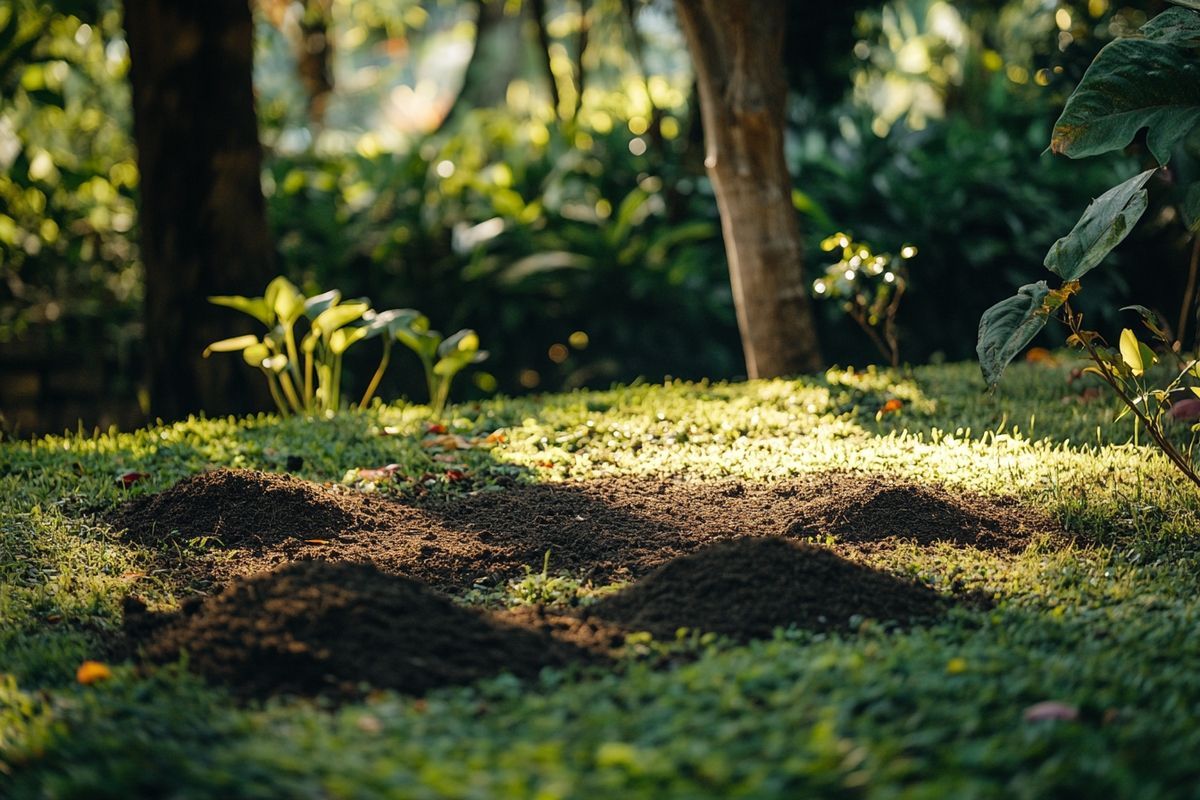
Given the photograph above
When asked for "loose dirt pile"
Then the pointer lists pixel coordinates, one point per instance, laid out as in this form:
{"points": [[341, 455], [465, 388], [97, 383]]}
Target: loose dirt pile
{"points": [[322, 627], [604, 530], [868, 514], [237, 507], [747, 587]]}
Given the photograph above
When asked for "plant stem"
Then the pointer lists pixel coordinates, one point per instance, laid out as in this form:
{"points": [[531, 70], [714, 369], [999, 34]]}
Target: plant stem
{"points": [[289, 338], [309, 400], [286, 382], [336, 388], [1167, 448], [1189, 293], [273, 385], [378, 376]]}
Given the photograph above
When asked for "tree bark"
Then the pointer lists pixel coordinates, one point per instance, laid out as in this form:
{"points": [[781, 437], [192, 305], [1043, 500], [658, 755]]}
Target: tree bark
{"points": [[496, 59], [203, 218], [737, 52]]}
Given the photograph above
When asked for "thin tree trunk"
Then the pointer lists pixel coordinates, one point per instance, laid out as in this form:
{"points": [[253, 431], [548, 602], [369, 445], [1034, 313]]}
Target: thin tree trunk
{"points": [[538, 10], [314, 58], [737, 48], [203, 219]]}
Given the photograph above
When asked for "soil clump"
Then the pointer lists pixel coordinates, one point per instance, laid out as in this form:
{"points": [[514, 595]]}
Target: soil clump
{"points": [[869, 514], [747, 587], [316, 627]]}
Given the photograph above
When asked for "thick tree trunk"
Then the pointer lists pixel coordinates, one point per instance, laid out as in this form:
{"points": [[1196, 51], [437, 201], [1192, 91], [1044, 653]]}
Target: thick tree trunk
{"points": [[203, 220], [737, 49]]}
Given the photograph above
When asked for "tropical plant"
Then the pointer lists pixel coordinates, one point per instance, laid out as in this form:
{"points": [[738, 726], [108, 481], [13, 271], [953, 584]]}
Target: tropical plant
{"points": [[1149, 80], [870, 286], [304, 372]]}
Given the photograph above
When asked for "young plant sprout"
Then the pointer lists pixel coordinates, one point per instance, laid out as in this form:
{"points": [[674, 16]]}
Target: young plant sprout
{"points": [[870, 286], [441, 358], [307, 338]]}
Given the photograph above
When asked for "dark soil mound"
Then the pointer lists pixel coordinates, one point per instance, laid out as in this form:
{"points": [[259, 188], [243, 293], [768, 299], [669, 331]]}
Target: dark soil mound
{"points": [[241, 506], [746, 588], [867, 512], [615, 529], [322, 627]]}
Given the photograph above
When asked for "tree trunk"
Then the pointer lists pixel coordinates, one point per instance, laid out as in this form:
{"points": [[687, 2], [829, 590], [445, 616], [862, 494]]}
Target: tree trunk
{"points": [[496, 59], [203, 218], [737, 51]]}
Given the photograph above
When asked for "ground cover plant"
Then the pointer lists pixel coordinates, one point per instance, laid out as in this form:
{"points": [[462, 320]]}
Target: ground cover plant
{"points": [[1038, 642]]}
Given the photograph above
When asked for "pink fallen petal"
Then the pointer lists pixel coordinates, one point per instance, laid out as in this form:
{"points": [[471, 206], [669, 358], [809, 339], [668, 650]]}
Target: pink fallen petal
{"points": [[1186, 410], [1051, 710]]}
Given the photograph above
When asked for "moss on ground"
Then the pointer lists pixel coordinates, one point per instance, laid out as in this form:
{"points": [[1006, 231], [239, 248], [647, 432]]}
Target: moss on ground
{"points": [[1106, 625]]}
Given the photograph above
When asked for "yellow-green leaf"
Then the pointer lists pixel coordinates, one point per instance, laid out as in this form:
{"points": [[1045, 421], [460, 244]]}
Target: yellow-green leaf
{"points": [[231, 345], [1135, 354]]}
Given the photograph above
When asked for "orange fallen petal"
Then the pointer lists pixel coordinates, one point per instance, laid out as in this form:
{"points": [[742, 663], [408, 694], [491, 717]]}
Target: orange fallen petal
{"points": [[90, 672], [892, 405], [1039, 355]]}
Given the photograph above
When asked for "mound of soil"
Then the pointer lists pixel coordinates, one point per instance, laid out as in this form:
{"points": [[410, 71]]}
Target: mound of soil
{"points": [[237, 507], [869, 513], [325, 628], [615, 529], [747, 587]]}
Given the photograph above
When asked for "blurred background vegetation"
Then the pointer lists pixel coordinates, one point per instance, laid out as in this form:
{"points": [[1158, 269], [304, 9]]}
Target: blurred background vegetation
{"points": [[534, 169]]}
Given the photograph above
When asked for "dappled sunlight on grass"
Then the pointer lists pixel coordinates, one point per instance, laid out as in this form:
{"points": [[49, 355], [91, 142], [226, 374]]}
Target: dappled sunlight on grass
{"points": [[1101, 618]]}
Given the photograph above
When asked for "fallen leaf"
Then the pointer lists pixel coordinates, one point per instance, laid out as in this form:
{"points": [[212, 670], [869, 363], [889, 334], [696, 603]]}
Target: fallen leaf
{"points": [[90, 672], [389, 430], [369, 723], [1051, 710], [450, 441], [316, 541], [54, 619], [435, 427], [446, 458], [496, 437], [130, 577], [455, 475], [130, 478], [380, 474]]}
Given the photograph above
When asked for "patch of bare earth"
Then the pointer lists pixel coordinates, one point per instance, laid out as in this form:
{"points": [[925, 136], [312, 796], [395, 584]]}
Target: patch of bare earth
{"points": [[604, 530]]}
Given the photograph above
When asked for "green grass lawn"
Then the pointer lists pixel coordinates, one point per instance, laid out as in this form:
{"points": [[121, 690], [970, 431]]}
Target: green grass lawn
{"points": [[1109, 625]]}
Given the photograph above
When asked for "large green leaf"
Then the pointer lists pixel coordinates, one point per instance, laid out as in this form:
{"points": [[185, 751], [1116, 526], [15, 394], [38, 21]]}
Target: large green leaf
{"points": [[1149, 80], [1104, 225], [1007, 327]]}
